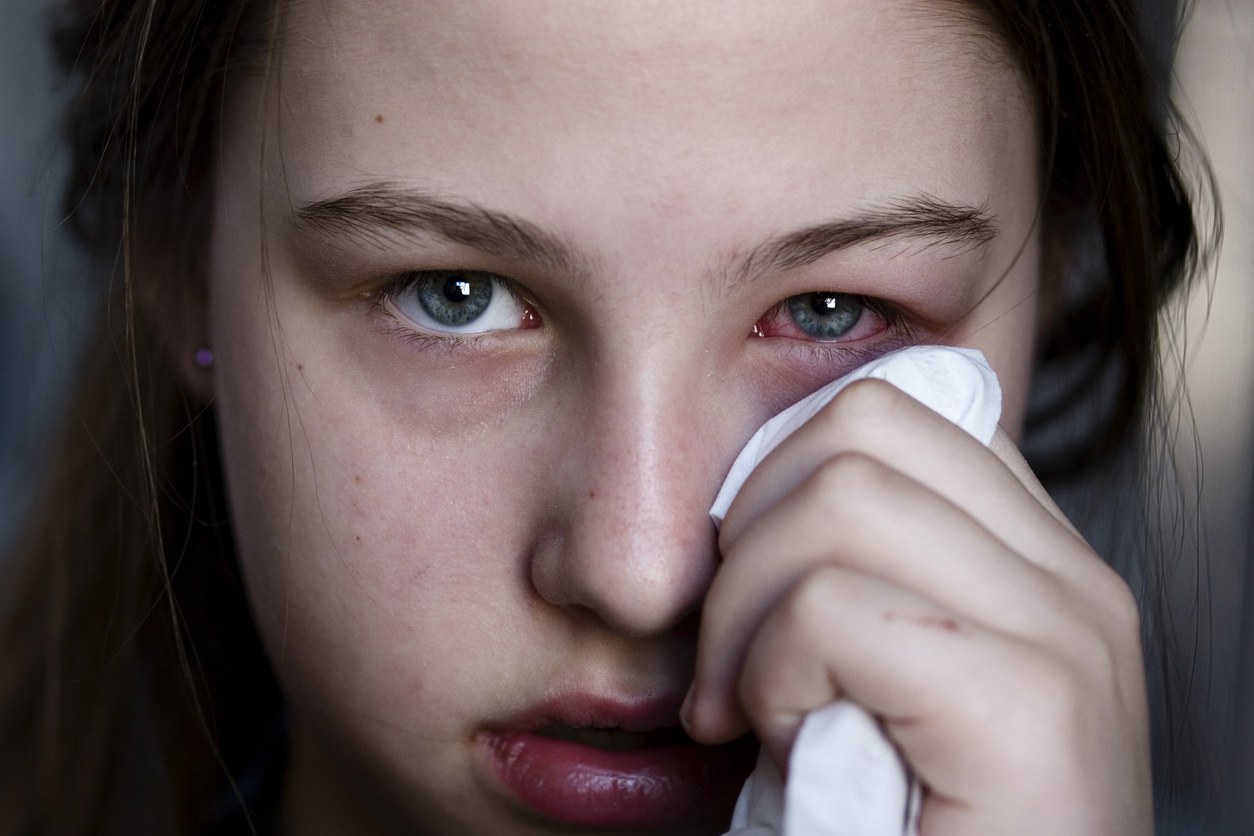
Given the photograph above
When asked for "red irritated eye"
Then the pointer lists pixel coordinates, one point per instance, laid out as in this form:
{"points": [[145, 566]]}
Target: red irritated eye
{"points": [[822, 316]]}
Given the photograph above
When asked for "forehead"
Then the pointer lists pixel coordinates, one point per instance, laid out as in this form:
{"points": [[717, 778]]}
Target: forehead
{"points": [[660, 101]]}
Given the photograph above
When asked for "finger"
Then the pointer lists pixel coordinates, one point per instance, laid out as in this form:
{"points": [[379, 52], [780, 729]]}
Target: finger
{"points": [[876, 418], [998, 729], [825, 640], [856, 512], [850, 513]]}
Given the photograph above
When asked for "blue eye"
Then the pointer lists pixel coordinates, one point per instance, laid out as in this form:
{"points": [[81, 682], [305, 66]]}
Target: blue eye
{"points": [[459, 301], [455, 297], [825, 315]]}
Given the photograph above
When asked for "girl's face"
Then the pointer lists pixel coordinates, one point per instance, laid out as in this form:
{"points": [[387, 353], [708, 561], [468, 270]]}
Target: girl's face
{"points": [[498, 291]]}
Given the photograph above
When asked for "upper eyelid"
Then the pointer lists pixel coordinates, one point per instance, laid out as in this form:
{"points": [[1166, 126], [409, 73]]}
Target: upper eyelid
{"points": [[885, 308], [406, 278]]}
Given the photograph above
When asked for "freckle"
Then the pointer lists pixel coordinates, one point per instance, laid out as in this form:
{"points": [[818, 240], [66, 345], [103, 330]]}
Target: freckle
{"points": [[299, 367], [379, 118], [592, 494], [356, 478]]}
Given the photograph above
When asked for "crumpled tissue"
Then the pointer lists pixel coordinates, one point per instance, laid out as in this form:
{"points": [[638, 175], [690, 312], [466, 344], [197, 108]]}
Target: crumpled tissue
{"points": [[844, 776]]}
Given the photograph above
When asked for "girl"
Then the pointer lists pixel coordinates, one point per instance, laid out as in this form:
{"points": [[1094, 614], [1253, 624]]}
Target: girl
{"points": [[432, 328]]}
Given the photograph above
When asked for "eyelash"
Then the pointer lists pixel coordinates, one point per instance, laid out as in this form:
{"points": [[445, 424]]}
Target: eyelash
{"points": [[853, 355], [893, 318], [897, 333], [897, 329], [400, 327]]}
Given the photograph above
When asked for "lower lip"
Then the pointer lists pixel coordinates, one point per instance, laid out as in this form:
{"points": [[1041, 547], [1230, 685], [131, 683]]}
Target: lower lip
{"points": [[656, 786]]}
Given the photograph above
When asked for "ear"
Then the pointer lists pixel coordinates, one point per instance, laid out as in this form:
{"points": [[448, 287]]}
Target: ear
{"points": [[173, 298]]}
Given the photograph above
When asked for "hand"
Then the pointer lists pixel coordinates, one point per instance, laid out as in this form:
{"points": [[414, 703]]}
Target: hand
{"points": [[884, 555]]}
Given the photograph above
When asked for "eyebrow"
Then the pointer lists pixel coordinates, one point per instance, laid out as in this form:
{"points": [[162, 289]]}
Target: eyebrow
{"points": [[923, 218], [381, 209], [378, 209]]}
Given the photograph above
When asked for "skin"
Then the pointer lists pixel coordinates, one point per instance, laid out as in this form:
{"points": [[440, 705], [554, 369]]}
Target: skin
{"points": [[438, 534]]}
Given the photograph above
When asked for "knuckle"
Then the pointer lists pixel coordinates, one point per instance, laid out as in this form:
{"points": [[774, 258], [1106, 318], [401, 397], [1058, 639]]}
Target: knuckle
{"points": [[805, 614], [867, 399], [1117, 638], [849, 485], [808, 605], [800, 626], [862, 406], [1123, 614], [1111, 619], [1098, 642]]}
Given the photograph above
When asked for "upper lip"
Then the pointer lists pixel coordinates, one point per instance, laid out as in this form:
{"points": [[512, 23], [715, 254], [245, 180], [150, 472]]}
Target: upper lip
{"points": [[631, 714]]}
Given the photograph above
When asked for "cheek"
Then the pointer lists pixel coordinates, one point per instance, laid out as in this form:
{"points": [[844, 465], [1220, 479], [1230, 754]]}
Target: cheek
{"points": [[378, 542], [330, 501]]}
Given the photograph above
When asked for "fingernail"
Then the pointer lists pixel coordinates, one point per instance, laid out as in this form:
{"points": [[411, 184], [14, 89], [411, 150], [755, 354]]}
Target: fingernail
{"points": [[685, 711]]}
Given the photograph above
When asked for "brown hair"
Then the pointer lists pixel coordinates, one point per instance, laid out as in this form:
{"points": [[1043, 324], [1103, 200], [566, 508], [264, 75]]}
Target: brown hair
{"points": [[132, 682]]}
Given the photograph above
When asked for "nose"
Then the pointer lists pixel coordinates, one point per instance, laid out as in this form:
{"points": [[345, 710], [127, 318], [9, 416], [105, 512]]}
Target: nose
{"points": [[635, 544]]}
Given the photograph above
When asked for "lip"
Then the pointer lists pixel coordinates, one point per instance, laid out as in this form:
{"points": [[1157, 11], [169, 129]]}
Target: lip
{"points": [[670, 785]]}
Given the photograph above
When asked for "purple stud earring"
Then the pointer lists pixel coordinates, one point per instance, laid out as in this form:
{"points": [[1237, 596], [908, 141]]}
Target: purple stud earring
{"points": [[204, 358]]}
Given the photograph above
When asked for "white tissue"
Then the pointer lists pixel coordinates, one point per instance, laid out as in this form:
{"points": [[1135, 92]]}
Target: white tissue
{"points": [[844, 776], [956, 382]]}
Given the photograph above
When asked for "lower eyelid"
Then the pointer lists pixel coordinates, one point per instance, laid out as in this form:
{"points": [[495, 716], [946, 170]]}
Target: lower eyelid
{"points": [[397, 326], [844, 356]]}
